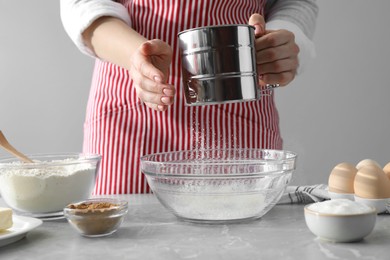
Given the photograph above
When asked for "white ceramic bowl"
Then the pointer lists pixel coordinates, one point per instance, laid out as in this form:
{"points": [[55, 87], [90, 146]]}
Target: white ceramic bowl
{"points": [[379, 204], [43, 188], [335, 195], [221, 185], [340, 227]]}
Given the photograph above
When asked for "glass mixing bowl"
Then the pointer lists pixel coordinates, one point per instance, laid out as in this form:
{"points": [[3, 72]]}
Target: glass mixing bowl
{"points": [[43, 188], [219, 185]]}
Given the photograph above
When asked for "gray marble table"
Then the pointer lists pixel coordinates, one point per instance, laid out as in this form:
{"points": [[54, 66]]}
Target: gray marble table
{"points": [[151, 232]]}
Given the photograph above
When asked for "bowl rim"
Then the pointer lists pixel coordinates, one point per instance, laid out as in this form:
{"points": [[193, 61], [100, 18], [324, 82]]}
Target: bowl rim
{"points": [[339, 193], [372, 211], [373, 200], [121, 208], [9, 162], [290, 158]]}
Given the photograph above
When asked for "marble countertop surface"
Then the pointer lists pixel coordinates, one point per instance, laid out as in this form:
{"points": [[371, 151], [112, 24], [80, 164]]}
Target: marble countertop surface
{"points": [[152, 232]]}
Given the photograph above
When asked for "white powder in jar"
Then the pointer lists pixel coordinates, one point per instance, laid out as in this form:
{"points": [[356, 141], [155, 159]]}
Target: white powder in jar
{"points": [[46, 189], [340, 207]]}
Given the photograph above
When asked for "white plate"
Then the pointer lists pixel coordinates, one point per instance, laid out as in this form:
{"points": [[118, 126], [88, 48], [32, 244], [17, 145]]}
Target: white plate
{"points": [[22, 225]]}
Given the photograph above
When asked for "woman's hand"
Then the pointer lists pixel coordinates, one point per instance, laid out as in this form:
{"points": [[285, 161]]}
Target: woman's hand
{"points": [[149, 70], [276, 53], [111, 39]]}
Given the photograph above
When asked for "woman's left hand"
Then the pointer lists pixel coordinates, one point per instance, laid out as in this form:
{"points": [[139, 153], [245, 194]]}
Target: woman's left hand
{"points": [[276, 54]]}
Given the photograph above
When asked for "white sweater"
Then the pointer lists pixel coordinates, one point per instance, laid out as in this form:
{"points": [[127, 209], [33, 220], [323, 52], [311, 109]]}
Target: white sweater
{"points": [[297, 16]]}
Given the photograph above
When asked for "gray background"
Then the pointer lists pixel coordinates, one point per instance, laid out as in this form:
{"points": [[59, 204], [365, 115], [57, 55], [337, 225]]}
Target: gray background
{"points": [[338, 110]]}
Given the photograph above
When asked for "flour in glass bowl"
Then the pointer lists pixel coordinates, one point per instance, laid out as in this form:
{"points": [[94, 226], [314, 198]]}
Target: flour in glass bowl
{"points": [[46, 189], [220, 200]]}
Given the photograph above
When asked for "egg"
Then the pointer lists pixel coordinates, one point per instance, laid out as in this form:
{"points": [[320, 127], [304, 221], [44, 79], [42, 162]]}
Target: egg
{"points": [[386, 169], [365, 162], [341, 178], [371, 182]]}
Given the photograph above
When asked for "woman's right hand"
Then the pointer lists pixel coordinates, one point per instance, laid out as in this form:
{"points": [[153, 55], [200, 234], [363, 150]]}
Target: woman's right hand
{"points": [[149, 70]]}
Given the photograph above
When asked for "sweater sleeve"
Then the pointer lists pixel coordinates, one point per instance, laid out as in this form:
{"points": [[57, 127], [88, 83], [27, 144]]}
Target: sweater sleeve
{"points": [[78, 15], [299, 17]]}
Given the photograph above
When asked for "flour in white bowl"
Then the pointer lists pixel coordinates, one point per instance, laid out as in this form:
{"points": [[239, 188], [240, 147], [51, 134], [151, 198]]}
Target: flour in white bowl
{"points": [[46, 189]]}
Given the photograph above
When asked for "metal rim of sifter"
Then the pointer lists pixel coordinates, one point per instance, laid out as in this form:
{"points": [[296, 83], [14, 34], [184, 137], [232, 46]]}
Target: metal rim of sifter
{"points": [[268, 89], [271, 86]]}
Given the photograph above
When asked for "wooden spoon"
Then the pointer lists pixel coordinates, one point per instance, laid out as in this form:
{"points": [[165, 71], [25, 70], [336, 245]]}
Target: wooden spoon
{"points": [[9, 148]]}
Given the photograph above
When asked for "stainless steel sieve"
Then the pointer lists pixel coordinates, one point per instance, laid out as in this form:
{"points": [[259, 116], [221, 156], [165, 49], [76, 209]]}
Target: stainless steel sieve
{"points": [[219, 64]]}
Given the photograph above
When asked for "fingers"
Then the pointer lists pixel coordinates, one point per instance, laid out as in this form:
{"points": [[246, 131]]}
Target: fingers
{"points": [[282, 78], [149, 71], [155, 101], [156, 107], [274, 38], [277, 53], [258, 22], [277, 57], [152, 92], [163, 97], [160, 54], [156, 47], [278, 66]]}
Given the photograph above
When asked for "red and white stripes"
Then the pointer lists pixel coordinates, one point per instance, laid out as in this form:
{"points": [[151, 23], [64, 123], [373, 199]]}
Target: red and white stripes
{"points": [[122, 129]]}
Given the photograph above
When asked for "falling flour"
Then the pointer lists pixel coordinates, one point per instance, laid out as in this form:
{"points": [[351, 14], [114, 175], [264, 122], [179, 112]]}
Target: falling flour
{"points": [[45, 190]]}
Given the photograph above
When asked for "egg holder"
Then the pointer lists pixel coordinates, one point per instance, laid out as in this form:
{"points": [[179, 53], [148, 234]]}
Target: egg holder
{"points": [[369, 183]]}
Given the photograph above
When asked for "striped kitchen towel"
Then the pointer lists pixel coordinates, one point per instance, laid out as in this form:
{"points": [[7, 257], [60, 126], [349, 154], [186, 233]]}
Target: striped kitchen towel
{"points": [[311, 194], [305, 194]]}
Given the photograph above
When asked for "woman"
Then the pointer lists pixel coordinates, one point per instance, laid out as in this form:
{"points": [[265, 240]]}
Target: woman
{"points": [[137, 105]]}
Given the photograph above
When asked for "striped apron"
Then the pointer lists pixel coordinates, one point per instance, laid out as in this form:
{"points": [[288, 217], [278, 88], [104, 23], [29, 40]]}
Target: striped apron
{"points": [[122, 129]]}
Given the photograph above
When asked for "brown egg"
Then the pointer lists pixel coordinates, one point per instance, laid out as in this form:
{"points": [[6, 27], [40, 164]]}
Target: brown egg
{"points": [[386, 169], [341, 178], [371, 183], [365, 162]]}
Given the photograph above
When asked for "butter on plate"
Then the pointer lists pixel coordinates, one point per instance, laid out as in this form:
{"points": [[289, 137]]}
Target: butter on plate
{"points": [[5, 218]]}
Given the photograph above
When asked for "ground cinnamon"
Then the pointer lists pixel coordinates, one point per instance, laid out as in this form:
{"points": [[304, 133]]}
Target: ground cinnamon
{"points": [[93, 205], [96, 218]]}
